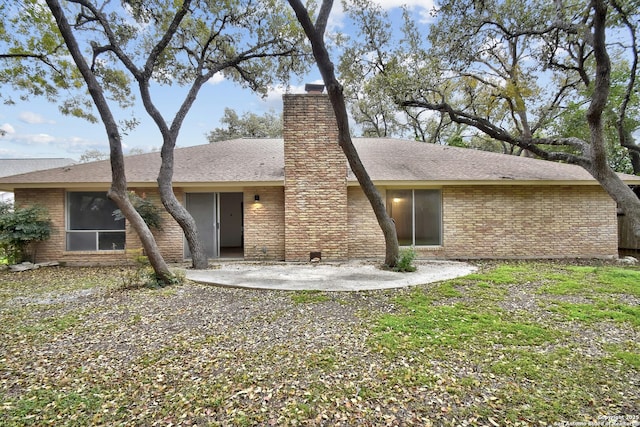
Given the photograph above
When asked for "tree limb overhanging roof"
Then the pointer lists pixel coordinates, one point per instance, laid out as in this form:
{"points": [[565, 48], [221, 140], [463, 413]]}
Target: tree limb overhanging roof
{"points": [[261, 161]]}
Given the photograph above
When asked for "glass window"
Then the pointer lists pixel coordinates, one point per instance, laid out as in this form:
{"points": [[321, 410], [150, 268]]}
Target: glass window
{"points": [[91, 225], [418, 216]]}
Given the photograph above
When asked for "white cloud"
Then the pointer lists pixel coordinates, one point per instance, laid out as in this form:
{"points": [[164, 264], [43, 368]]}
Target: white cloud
{"points": [[48, 142], [40, 138], [421, 8], [9, 154], [274, 94], [390, 4], [217, 78], [33, 118], [80, 145], [8, 129]]}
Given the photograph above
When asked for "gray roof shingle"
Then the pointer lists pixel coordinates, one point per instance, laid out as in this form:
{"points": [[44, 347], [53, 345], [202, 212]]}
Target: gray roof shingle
{"points": [[10, 167], [255, 161]]}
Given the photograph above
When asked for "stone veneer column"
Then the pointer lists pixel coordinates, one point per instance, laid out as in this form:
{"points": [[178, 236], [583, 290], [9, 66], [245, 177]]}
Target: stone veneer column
{"points": [[315, 189]]}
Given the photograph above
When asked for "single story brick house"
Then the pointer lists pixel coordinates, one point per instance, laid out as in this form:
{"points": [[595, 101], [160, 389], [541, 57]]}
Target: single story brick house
{"points": [[282, 199]]}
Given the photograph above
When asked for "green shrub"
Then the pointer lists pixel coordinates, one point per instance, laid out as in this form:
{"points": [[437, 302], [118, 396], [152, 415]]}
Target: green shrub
{"points": [[149, 212], [141, 275], [405, 261], [20, 231], [137, 276]]}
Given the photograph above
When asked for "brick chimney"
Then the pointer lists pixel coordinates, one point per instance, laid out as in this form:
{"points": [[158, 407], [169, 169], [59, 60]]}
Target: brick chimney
{"points": [[315, 186]]}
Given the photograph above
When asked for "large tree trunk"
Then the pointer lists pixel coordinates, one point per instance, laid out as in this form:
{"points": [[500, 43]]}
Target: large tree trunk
{"points": [[626, 199], [121, 198], [199, 258], [599, 168], [118, 191], [315, 34], [385, 222]]}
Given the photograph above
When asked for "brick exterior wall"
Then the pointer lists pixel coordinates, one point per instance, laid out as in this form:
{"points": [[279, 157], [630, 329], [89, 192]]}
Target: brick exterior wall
{"points": [[169, 240], [53, 200], [505, 222], [264, 223], [528, 222], [317, 212], [365, 236], [315, 193], [478, 222]]}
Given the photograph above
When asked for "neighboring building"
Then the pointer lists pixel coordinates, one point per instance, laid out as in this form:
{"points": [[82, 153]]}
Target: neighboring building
{"points": [[10, 167], [276, 199]]}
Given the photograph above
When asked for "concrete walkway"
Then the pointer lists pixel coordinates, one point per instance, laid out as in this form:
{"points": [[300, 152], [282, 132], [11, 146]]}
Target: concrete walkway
{"points": [[347, 276]]}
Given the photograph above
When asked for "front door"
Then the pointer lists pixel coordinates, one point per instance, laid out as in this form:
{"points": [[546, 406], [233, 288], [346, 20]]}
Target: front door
{"points": [[203, 207]]}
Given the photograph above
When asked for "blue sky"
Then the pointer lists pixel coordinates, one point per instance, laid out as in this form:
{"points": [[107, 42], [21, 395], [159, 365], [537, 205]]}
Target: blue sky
{"points": [[36, 128]]}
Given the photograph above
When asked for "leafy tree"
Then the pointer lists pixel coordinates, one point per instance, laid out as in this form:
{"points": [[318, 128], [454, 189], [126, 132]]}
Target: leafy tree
{"points": [[371, 105], [508, 70], [184, 43], [315, 33], [571, 121], [36, 60], [118, 190], [93, 156], [20, 231], [364, 69], [149, 212], [249, 125]]}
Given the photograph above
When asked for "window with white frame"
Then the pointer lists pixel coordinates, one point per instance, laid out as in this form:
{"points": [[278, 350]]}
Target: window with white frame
{"points": [[418, 216], [91, 225]]}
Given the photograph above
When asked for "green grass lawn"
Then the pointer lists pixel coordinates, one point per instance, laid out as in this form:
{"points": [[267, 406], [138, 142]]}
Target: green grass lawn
{"points": [[518, 343]]}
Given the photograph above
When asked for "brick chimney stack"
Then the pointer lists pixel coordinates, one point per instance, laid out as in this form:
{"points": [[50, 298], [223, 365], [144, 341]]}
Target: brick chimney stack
{"points": [[315, 179], [313, 88]]}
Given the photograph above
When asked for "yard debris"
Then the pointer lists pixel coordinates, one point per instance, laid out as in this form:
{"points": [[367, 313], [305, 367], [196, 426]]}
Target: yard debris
{"points": [[75, 351], [629, 260], [25, 266]]}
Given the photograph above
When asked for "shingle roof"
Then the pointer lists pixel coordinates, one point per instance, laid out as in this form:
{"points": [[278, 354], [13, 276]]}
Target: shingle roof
{"points": [[17, 166], [262, 161], [240, 160], [400, 160]]}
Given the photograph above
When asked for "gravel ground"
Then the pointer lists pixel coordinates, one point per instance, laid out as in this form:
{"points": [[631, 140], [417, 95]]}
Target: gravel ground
{"points": [[200, 355]]}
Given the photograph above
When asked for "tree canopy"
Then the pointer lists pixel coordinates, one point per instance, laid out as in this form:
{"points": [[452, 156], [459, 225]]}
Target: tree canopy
{"points": [[532, 75], [35, 60], [525, 67], [117, 48], [249, 125]]}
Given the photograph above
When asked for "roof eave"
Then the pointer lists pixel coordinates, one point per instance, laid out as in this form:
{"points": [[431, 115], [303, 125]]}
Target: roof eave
{"points": [[488, 182], [93, 185], [228, 184]]}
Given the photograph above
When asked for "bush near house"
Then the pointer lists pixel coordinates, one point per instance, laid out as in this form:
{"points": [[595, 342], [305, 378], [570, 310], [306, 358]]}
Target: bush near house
{"points": [[20, 230], [150, 213], [405, 261]]}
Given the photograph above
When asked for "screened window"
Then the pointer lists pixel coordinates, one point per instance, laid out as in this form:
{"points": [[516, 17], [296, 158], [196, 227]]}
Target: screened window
{"points": [[91, 225], [418, 216]]}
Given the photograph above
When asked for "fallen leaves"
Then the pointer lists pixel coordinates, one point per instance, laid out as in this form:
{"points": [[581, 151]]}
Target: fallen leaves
{"points": [[75, 352]]}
